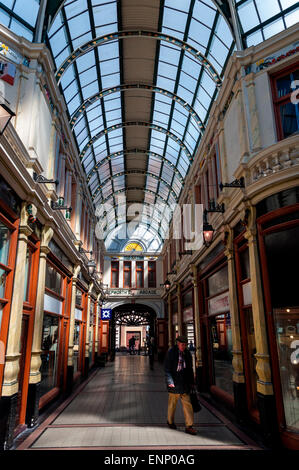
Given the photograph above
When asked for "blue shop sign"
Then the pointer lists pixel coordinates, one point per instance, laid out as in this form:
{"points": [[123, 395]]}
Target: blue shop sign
{"points": [[106, 313]]}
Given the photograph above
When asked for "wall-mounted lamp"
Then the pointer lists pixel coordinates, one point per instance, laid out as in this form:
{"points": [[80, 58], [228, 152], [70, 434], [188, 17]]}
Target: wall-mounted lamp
{"points": [[5, 116], [207, 230], [166, 284], [213, 207], [59, 206], [91, 266], [41, 179], [237, 183]]}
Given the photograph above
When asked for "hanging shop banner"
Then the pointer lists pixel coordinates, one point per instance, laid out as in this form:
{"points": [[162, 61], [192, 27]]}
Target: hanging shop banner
{"points": [[219, 304], [7, 72], [106, 313], [10, 54]]}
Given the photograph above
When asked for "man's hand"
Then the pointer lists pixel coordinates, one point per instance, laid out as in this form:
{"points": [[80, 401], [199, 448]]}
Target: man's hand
{"points": [[171, 386]]}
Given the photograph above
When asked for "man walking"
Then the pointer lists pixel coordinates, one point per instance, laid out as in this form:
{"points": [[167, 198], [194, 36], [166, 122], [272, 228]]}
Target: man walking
{"points": [[180, 379]]}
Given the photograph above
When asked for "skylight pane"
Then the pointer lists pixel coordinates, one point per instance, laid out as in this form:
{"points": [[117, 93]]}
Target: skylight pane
{"points": [[79, 25], [292, 18], [174, 19], [104, 14], [21, 30], [28, 10], [74, 8], [204, 12], [273, 28], [267, 8], [248, 15]]}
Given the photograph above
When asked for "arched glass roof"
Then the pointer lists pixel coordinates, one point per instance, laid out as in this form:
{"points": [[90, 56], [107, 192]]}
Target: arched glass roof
{"points": [[139, 79]]}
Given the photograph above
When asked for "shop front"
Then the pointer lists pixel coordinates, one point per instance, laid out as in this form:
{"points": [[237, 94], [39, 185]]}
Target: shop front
{"points": [[92, 326], [242, 268], [278, 235], [9, 227], [218, 340], [79, 331], [188, 319], [30, 287], [55, 329]]}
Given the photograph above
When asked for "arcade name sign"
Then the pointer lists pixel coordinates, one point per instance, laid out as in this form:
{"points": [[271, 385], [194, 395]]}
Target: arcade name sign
{"points": [[133, 292], [277, 57]]}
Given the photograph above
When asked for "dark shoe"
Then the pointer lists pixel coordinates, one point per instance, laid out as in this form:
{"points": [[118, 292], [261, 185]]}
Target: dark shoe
{"points": [[191, 430], [171, 426]]}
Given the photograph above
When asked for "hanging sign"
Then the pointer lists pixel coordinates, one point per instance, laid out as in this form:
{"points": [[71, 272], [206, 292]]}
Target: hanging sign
{"points": [[106, 313]]}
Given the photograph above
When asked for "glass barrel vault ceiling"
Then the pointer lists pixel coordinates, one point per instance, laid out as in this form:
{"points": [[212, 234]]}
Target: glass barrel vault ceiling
{"points": [[182, 88]]}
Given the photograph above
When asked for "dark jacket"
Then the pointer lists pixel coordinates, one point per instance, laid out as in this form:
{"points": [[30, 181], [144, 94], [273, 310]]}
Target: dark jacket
{"points": [[181, 380]]}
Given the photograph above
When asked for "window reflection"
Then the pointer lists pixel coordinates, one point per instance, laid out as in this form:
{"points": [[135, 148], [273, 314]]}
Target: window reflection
{"points": [[49, 355], [287, 335]]}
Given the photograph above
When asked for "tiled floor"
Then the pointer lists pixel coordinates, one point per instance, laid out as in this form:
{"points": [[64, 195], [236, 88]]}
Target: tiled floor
{"points": [[124, 406]]}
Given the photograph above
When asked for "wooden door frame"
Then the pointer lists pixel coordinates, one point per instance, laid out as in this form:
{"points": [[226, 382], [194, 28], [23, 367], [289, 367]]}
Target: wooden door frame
{"points": [[12, 223], [278, 395]]}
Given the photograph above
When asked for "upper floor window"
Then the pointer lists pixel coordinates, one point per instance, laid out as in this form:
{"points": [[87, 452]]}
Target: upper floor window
{"points": [[151, 274], [286, 102], [127, 274], [53, 279], [139, 274], [114, 273]]}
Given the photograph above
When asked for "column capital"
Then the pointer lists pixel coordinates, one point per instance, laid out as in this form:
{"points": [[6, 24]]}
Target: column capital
{"points": [[47, 234]]}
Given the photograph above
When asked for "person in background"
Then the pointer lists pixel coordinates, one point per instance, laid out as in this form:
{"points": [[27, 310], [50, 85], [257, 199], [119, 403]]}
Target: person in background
{"points": [[180, 380]]}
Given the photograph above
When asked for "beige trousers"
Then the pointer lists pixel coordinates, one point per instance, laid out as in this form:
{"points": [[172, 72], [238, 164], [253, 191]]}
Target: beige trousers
{"points": [[187, 407]]}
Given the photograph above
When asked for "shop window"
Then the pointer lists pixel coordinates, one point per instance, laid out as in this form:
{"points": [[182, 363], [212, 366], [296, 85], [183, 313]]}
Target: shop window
{"points": [[4, 252], [252, 362], [114, 274], [218, 282], [78, 330], [287, 336], [139, 274], [282, 250], [28, 266], [187, 299], [76, 347], [244, 263], [53, 279], [127, 274], [151, 274], [78, 298], [91, 331], [286, 108], [49, 355], [221, 339]]}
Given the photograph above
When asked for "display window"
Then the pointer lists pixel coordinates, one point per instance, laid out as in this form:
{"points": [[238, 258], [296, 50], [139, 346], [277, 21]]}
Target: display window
{"points": [[92, 321], [79, 331], [30, 287], [218, 333], [55, 330], [246, 322]]}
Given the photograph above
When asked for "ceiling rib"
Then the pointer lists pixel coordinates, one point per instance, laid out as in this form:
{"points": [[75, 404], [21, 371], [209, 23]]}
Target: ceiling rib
{"points": [[108, 91], [90, 45]]}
